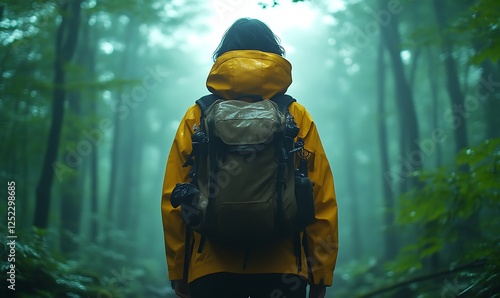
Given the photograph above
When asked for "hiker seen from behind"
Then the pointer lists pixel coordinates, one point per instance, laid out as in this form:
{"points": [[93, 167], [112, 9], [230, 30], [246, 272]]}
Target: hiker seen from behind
{"points": [[248, 204]]}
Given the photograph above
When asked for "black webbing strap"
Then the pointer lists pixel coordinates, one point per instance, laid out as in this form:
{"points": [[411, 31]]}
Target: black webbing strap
{"points": [[305, 245], [205, 102], [187, 252], [280, 179], [297, 251], [283, 101], [212, 183]]}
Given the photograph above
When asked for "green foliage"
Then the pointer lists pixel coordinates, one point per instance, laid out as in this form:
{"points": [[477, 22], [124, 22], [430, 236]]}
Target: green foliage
{"points": [[455, 215], [448, 199], [95, 272], [360, 276], [482, 22], [453, 221], [474, 29], [41, 273]]}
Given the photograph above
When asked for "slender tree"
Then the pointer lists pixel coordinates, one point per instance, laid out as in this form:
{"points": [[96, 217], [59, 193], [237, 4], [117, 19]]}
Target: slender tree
{"points": [[94, 158], [408, 123], [459, 121], [435, 106], [132, 147], [66, 42], [71, 189], [117, 148], [72, 194], [388, 196], [352, 186]]}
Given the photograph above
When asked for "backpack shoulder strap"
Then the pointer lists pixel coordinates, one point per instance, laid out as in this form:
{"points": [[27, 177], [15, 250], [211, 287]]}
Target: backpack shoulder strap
{"points": [[283, 101], [205, 102]]}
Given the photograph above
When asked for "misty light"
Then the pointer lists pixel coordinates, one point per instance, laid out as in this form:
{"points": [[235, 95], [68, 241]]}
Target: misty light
{"points": [[124, 19], [90, 4], [282, 17], [107, 47], [106, 76], [329, 20], [406, 55]]}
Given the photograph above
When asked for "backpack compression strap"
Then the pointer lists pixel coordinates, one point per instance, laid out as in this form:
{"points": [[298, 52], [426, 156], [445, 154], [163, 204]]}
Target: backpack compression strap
{"points": [[283, 101], [205, 102]]}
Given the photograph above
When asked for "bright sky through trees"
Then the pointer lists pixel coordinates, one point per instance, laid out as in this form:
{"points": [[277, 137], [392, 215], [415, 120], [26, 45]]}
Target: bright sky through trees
{"points": [[205, 31]]}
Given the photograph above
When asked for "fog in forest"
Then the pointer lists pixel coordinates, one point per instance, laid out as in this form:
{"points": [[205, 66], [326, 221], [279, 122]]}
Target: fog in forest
{"points": [[405, 95]]}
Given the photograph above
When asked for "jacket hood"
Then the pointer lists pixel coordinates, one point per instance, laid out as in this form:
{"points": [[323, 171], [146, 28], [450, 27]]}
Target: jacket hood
{"points": [[244, 72]]}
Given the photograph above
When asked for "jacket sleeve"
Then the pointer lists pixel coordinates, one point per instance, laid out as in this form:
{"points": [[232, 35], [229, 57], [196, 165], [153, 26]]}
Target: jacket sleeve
{"points": [[323, 233], [173, 226]]}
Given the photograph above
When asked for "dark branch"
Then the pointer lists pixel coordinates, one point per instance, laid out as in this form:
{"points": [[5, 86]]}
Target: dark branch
{"points": [[472, 265]]}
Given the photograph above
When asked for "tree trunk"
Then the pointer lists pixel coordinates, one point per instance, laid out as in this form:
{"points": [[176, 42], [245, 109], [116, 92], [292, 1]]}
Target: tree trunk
{"points": [[66, 41], [491, 96], [414, 67], [469, 231], [110, 212], [391, 245], [116, 153], [410, 158], [25, 172], [415, 55], [435, 103], [130, 173], [71, 190], [353, 199], [94, 194], [5, 58], [72, 196], [457, 117], [94, 172]]}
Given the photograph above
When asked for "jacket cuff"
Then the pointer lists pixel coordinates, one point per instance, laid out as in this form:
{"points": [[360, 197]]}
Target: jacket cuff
{"points": [[324, 277]]}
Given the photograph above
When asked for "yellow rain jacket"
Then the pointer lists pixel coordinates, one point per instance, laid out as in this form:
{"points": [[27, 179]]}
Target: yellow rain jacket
{"points": [[233, 74]]}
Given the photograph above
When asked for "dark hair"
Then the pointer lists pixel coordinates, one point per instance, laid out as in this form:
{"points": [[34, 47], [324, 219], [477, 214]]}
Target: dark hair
{"points": [[249, 34]]}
